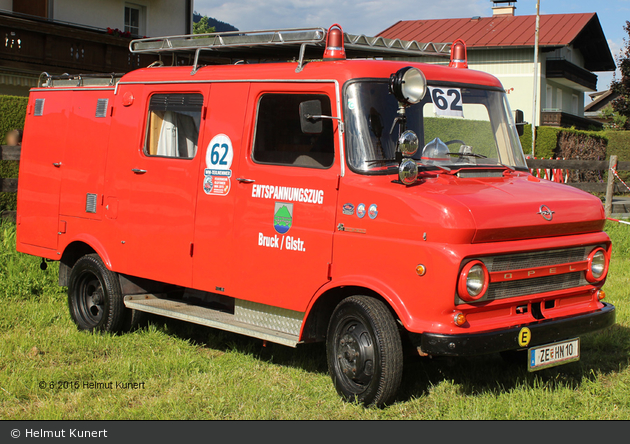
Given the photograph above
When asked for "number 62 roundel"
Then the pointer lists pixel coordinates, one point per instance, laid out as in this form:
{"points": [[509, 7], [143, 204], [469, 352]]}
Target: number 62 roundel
{"points": [[446, 101]]}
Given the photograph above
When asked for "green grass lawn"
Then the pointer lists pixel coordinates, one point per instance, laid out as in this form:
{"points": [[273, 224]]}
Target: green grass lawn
{"points": [[192, 372]]}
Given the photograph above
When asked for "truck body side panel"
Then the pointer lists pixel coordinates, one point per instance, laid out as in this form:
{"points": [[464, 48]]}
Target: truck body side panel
{"points": [[41, 169], [84, 155]]}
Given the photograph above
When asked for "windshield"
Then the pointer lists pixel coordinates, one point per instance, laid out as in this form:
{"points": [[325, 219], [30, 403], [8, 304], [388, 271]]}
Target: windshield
{"points": [[458, 127]]}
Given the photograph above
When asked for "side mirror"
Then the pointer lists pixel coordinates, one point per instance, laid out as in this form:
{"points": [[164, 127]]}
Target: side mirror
{"points": [[310, 117], [519, 121]]}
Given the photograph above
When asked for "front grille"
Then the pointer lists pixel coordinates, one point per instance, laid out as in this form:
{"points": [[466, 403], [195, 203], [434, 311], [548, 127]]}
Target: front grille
{"points": [[524, 261], [510, 289], [536, 259]]}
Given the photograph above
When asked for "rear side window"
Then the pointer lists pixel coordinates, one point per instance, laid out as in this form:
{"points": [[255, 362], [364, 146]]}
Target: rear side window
{"points": [[279, 138], [173, 125]]}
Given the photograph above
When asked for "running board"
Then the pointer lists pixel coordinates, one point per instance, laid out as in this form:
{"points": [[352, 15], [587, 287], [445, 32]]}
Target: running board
{"points": [[235, 323]]}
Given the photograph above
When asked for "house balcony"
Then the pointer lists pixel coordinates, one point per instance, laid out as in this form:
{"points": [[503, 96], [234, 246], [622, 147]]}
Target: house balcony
{"points": [[566, 120], [31, 45], [571, 75]]}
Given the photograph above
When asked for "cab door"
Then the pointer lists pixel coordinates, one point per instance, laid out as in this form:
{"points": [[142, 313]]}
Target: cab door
{"points": [[155, 180], [286, 194], [216, 260]]}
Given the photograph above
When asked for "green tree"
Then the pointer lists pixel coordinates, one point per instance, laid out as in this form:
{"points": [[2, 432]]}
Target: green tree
{"points": [[617, 121], [621, 105], [202, 26]]}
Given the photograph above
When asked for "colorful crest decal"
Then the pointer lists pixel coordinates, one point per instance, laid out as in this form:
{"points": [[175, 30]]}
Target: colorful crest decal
{"points": [[361, 210], [348, 209], [373, 211], [282, 217]]}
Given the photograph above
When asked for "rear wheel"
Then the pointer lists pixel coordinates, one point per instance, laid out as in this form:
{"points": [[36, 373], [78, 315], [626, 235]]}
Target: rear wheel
{"points": [[94, 296], [365, 358]]}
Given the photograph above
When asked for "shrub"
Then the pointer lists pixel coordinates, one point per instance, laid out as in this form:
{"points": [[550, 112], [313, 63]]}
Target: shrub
{"points": [[12, 114], [619, 144], [546, 141], [526, 139], [476, 133]]}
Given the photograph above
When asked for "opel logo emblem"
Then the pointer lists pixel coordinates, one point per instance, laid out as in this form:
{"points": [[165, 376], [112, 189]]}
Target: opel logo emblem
{"points": [[545, 212]]}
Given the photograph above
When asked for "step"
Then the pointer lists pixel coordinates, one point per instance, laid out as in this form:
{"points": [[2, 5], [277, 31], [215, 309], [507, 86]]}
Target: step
{"points": [[206, 316]]}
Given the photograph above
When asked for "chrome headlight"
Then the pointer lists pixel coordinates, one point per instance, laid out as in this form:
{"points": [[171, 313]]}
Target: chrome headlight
{"points": [[473, 281], [597, 265]]}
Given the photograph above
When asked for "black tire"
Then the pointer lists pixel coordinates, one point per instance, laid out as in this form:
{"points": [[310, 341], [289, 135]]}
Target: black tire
{"points": [[95, 298], [365, 357]]}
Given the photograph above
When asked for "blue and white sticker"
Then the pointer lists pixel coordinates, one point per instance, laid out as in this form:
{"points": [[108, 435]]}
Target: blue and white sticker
{"points": [[361, 210], [218, 173], [373, 211]]}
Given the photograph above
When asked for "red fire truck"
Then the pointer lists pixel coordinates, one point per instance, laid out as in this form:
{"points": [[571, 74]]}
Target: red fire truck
{"points": [[294, 187]]}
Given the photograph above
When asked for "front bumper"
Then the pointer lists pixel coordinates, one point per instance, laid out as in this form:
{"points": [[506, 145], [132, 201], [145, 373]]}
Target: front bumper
{"points": [[543, 332]]}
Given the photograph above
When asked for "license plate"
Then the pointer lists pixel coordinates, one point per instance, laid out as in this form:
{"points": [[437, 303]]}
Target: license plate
{"points": [[550, 355]]}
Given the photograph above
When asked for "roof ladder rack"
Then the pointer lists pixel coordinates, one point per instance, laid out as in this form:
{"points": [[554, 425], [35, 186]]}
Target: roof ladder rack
{"points": [[281, 44]]}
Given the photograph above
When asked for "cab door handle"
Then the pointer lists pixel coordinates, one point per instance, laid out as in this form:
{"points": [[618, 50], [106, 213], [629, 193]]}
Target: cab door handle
{"points": [[57, 164], [243, 180], [138, 171]]}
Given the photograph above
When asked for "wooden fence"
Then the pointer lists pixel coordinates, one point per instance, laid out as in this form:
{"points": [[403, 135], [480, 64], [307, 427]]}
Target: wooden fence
{"points": [[556, 170], [552, 169]]}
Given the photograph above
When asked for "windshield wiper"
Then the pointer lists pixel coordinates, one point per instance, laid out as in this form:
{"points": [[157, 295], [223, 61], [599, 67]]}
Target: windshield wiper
{"points": [[380, 161], [479, 156], [439, 167]]}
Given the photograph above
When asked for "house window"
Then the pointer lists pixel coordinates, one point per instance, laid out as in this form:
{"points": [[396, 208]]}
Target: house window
{"points": [[559, 99], [279, 138], [134, 19], [549, 98], [574, 105]]}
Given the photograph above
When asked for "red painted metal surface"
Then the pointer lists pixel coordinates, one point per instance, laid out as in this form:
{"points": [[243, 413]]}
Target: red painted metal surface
{"points": [[164, 224]]}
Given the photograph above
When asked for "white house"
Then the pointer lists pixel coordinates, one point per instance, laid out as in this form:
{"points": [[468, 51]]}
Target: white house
{"points": [[572, 48]]}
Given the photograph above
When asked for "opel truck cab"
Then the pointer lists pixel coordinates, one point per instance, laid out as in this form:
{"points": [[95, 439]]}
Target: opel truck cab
{"points": [[336, 197]]}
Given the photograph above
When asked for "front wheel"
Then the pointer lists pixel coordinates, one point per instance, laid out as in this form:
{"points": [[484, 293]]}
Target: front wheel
{"points": [[94, 296], [364, 348]]}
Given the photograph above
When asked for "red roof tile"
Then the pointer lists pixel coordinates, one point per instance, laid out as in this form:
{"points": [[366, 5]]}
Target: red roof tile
{"points": [[498, 31], [582, 30]]}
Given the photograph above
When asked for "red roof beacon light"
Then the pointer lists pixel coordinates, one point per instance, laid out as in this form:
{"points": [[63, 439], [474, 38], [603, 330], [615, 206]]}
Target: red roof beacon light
{"points": [[334, 44], [459, 55]]}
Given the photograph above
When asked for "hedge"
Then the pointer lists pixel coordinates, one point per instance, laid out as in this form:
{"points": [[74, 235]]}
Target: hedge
{"points": [[568, 143], [12, 114], [475, 133], [619, 144]]}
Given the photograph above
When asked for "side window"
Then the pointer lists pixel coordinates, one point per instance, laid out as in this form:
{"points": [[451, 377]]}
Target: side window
{"points": [[173, 125], [279, 138]]}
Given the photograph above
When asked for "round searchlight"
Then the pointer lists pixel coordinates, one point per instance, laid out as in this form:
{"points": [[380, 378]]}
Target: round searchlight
{"points": [[408, 85]]}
